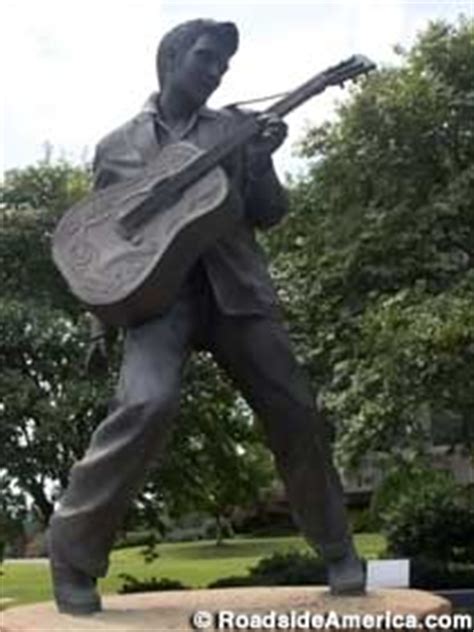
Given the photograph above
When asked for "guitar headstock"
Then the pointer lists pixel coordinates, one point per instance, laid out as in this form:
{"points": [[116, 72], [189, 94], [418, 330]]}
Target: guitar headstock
{"points": [[348, 69], [336, 75]]}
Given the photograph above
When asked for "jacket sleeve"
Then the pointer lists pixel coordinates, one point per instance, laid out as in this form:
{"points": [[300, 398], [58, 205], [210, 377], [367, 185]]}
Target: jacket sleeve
{"points": [[103, 174], [266, 201]]}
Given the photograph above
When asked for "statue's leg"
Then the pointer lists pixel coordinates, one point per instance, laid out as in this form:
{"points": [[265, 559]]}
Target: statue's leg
{"points": [[129, 439], [257, 353]]}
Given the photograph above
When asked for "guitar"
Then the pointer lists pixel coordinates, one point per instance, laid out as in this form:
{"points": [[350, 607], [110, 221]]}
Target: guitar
{"points": [[125, 250]]}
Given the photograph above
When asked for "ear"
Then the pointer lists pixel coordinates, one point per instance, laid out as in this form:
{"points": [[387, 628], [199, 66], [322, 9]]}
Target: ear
{"points": [[168, 64], [171, 61]]}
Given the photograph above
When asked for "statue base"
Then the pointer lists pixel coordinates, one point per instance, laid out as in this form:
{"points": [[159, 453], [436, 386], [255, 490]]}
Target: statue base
{"points": [[253, 608]]}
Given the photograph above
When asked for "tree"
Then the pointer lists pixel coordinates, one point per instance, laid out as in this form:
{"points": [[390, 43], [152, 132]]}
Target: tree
{"points": [[50, 186], [13, 511], [376, 260], [48, 406]]}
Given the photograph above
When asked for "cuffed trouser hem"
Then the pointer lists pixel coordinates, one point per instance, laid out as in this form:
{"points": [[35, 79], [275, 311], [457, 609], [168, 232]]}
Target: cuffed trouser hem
{"points": [[61, 546], [335, 550]]}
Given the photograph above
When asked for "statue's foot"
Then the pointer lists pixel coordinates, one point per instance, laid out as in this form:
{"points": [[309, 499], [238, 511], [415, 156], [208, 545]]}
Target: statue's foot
{"points": [[75, 592], [347, 575]]}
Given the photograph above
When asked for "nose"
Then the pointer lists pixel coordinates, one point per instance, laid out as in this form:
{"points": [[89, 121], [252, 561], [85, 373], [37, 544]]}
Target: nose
{"points": [[214, 70]]}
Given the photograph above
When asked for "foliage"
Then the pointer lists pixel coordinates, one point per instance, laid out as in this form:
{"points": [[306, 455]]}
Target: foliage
{"points": [[137, 538], [431, 574], [280, 569], [427, 517], [375, 263], [46, 185], [298, 569], [49, 407], [13, 512], [133, 585], [415, 355], [431, 517], [362, 520]]}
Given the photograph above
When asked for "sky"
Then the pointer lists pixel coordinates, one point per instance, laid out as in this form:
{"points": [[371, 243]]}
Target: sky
{"points": [[73, 71]]}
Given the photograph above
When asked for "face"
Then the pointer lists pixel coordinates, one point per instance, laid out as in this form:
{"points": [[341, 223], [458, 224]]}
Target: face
{"points": [[199, 71]]}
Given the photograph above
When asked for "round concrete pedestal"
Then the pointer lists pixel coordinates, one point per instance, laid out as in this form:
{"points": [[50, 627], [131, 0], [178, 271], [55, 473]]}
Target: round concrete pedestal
{"points": [[166, 611]]}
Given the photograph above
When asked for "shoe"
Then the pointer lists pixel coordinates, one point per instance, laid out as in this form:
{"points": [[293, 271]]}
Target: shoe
{"points": [[75, 592], [347, 575]]}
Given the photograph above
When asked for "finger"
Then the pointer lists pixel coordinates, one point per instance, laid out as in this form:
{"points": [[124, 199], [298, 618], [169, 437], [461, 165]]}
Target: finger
{"points": [[276, 132]]}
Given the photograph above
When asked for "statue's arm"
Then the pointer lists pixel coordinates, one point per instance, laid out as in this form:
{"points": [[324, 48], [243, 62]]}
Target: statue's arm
{"points": [[102, 171], [266, 200]]}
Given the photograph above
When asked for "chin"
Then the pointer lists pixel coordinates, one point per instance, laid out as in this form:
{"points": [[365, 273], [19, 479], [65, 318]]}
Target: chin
{"points": [[200, 99]]}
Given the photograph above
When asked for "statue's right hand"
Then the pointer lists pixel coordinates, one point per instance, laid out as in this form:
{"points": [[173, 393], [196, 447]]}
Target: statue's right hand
{"points": [[97, 357]]}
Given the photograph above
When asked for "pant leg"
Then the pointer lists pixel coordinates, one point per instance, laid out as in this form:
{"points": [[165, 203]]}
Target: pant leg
{"points": [[257, 354], [102, 484]]}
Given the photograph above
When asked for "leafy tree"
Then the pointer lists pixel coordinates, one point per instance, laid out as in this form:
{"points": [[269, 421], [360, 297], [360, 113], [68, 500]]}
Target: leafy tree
{"points": [[46, 185], [13, 511], [429, 516], [376, 261], [48, 406]]}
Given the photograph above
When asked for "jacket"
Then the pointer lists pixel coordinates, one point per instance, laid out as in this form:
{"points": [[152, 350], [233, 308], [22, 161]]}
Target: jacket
{"points": [[235, 266]]}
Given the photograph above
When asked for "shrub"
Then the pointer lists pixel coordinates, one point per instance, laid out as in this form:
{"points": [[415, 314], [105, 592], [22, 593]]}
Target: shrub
{"points": [[428, 574], [280, 569], [134, 585], [362, 521], [431, 518], [137, 538], [233, 581]]}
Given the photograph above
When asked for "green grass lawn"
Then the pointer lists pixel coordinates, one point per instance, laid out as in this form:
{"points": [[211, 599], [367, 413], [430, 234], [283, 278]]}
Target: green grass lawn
{"points": [[196, 564]]}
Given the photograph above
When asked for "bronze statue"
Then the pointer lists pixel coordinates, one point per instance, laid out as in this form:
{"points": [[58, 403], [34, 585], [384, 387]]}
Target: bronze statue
{"points": [[227, 305], [125, 250]]}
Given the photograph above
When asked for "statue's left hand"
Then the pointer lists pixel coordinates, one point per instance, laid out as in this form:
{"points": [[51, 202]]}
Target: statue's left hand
{"points": [[273, 131]]}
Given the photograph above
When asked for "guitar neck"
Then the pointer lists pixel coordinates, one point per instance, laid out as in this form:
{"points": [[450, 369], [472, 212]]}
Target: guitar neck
{"points": [[294, 99]]}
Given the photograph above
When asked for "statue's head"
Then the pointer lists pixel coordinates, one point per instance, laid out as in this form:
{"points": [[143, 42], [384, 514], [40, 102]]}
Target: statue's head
{"points": [[195, 55]]}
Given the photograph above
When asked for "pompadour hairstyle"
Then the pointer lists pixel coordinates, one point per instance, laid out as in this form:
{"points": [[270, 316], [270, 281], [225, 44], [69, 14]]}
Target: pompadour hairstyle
{"points": [[182, 37]]}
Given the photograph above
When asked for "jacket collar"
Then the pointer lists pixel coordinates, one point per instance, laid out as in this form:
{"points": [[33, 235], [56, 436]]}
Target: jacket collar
{"points": [[144, 138], [151, 107]]}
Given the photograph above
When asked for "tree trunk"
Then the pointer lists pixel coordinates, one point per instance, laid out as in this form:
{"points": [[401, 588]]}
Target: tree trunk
{"points": [[45, 507]]}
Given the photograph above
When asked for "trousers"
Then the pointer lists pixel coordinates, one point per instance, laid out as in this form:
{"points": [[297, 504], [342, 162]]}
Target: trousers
{"points": [[255, 350]]}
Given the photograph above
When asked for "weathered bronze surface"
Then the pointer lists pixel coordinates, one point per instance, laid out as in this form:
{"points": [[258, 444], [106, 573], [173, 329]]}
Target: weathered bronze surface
{"points": [[225, 304]]}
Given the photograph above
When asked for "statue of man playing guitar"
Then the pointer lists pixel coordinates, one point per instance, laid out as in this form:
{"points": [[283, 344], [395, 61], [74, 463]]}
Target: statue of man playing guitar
{"points": [[228, 306]]}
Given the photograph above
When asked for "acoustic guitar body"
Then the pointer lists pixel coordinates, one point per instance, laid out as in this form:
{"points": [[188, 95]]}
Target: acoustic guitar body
{"points": [[126, 279]]}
